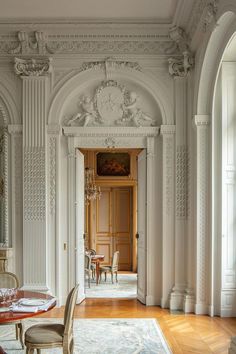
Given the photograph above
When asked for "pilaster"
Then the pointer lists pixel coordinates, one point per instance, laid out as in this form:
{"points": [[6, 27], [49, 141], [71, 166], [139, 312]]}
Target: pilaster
{"points": [[35, 84], [150, 299], [168, 136], [53, 242], [202, 226], [178, 291], [15, 132]]}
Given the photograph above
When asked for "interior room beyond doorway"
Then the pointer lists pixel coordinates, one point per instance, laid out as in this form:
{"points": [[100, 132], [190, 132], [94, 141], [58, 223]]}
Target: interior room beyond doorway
{"points": [[111, 220]]}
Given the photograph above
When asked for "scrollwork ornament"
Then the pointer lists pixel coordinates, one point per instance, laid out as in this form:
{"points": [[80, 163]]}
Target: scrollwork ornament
{"points": [[181, 66], [32, 67]]}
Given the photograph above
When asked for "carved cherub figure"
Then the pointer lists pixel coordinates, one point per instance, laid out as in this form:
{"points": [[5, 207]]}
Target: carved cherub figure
{"points": [[131, 112], [88, 114]]}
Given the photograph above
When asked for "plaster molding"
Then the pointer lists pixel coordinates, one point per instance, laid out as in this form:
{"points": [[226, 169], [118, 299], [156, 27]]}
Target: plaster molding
{"points": [[112, 104], [18, 171], [54, 129], [32, 67], [202, 119], [209, 14], [110, 64], [52, 173], [15, 129], [106, 132], [197, 12], [34, 183], [167, 129], [180, 66], [39, 43], [181, 181]]}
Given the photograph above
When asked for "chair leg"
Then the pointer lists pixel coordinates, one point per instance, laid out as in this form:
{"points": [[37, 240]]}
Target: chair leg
{"points": [[17, 331], [38, 351], [116, 278], [105, 276], [29, 351], [21, 334], [112, 277]]}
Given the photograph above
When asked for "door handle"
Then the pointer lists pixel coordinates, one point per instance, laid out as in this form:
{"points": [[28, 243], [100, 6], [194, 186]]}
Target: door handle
{"points": [[137, 236]]}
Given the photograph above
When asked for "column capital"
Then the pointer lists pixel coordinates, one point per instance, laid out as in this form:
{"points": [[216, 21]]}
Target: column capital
{"points": [[54, 129], [168, 129], [33, 67], [202, 119], [15, 129]]}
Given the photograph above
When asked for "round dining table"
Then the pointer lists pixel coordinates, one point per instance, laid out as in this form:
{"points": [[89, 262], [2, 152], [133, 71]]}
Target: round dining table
{"points": [[11, 316]]}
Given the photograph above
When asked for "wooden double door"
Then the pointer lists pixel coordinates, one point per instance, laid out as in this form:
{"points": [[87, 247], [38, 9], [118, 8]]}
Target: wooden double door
{"points": [[111, 227]]}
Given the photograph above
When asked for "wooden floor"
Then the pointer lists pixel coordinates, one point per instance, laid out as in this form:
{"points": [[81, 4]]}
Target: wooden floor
{"points": [[184, 333]]}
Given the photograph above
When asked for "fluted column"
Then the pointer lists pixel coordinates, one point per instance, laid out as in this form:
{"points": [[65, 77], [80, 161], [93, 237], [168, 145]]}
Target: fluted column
{"points": [[178, 291], [168, 136], [34, 97], [202, 225]]}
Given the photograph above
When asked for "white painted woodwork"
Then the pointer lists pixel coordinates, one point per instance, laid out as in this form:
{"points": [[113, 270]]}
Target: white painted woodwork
{"points": [[142, 227], [228, 282], [79, 229]]}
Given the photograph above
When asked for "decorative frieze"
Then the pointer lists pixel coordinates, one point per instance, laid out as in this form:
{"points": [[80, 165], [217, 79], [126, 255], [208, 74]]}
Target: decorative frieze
{"points": [[110, 64], [39, 43], [32, 67]]}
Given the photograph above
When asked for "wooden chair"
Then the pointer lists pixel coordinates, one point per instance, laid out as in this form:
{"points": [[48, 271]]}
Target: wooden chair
{"points": [[92, 252], [52, 335], [10, 280], [113, 268], [87, 268]]}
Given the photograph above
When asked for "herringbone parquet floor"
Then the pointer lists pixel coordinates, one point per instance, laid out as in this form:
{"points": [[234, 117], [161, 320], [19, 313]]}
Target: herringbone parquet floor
{"points": [[186, 334]]}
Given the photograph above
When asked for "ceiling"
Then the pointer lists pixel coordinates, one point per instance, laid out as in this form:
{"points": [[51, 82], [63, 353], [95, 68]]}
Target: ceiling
{"points": [[162, 11]]}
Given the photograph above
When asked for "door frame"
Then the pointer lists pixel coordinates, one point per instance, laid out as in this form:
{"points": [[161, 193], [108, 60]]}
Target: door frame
{"points": [[117, 137]]}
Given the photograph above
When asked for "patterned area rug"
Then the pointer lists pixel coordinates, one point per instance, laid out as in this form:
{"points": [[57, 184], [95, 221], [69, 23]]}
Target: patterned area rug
{"points": [[125, 288], [101, 336]]}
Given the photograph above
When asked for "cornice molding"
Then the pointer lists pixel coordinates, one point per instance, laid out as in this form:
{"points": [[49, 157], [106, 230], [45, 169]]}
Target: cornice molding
{"points": [[110, 132], [35, 43], [202, 119], [167, 129], [32, 66]]}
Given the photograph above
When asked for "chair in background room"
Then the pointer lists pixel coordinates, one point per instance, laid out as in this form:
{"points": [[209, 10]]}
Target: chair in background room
{"points": [[10, 280], [87, 267], [92, 252], [113, 268], [53, 335]]}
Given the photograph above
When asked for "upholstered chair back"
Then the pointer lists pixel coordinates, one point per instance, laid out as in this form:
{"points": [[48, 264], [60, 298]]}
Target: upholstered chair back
{"points": [[69, 311], [8, 280], [115, 261]]}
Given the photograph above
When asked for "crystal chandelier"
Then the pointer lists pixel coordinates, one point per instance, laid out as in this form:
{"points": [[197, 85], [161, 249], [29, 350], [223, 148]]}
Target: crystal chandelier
{"points": [[91, 191]]}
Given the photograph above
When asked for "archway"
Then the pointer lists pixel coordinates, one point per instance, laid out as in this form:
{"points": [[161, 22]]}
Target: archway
{"points": [[209, 296]]}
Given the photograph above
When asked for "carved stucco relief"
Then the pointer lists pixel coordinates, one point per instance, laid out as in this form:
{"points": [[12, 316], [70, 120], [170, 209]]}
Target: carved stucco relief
{"points": [[112, 104], [181, 181], [52, 173], [34, 183]]}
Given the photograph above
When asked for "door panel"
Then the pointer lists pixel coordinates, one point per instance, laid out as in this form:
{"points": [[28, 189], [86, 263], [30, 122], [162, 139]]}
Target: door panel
{"points": [[80, 224], [113, 225]]}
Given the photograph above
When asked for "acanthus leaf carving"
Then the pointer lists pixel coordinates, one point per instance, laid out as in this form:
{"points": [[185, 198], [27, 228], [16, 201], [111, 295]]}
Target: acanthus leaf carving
{"points": [[180, 66], [32, 67], [28, 43]]}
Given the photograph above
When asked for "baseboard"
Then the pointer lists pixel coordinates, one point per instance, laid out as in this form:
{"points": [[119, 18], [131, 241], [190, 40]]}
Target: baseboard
{"points": [[176, 301], [201, 309]]}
